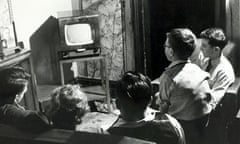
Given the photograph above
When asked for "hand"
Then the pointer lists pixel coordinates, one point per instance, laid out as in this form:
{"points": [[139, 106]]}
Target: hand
{"points": [[203, 61]]}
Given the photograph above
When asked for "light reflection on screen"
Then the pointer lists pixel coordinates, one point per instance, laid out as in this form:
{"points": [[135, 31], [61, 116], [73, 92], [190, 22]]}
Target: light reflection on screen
{"points": [[78, 34]]}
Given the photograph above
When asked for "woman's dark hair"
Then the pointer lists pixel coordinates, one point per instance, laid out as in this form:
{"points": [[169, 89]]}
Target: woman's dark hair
{"points": [[182, 41], [215, 36]]}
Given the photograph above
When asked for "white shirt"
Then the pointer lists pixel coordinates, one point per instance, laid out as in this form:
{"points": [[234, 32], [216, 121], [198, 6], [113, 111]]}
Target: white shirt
{"points": [[221, 77]]}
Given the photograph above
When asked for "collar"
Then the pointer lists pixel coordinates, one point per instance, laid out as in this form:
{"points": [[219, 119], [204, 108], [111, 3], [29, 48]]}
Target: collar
{"points": [[177, 62], [149, 116]]}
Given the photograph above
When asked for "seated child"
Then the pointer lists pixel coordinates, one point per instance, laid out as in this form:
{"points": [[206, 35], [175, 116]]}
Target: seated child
{"points": [[13, 85], [137, 119], [68, 105]]}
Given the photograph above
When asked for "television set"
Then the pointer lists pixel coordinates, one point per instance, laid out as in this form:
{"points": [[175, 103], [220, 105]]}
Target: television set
{"points": [[79, 33]]}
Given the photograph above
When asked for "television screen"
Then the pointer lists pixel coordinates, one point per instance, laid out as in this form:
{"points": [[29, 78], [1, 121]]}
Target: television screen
{"points": [[78, 34]]}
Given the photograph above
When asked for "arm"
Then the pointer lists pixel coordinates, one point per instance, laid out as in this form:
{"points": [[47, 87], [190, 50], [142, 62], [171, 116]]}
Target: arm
{"points": [[219, 86], [162, 99]]}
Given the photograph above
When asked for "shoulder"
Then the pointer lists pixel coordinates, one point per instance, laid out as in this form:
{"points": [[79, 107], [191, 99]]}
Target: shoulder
{"points": [[165, 77], [167, 120], [195, 69], [170, 72], [173, 70], [15, 112], [223, 72], [10, 109], [225, 69], [23, 119], [190, 75]]}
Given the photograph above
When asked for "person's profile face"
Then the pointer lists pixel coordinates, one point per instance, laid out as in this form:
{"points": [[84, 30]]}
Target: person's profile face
{"points": [[206, 48], [168, 50]]}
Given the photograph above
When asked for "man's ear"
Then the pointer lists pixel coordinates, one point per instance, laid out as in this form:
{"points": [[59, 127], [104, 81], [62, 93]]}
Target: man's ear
{"points": [[171, 52]]}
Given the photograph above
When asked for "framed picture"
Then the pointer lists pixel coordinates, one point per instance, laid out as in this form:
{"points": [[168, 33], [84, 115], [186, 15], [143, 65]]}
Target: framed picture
{"points": [[7, 27]]}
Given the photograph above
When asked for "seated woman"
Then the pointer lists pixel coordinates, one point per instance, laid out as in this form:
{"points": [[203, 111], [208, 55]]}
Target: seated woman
{"points": [[137, 119], [13, 85], [68, 105]]}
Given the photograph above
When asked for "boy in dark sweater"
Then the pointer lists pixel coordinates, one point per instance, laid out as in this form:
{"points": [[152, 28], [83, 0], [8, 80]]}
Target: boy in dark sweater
{"points": [[13, 85]]}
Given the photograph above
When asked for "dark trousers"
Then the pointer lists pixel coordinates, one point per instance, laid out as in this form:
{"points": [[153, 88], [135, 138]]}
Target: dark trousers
{"points": [[195, 130]]}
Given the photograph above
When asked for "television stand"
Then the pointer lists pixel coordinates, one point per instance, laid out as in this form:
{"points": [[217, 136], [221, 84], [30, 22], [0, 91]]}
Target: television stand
{"points": [[78, 53], [78, 56], [93, 92]]}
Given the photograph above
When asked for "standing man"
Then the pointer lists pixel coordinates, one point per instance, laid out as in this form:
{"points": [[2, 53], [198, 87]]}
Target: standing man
{"points": [[220, 69]]}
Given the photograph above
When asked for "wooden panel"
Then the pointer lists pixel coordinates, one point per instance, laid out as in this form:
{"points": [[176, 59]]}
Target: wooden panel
{"points": [[128, 37], [44, 43]]}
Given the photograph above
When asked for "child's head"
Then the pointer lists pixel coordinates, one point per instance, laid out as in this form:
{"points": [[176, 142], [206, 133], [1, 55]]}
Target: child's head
{"points": [[13, 84], [215, 37], [134, 92], [213, 42], [180, 44], [68, 100]]}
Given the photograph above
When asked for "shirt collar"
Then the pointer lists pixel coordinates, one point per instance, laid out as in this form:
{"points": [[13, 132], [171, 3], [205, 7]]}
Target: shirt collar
{"points": [[149, 115], [174, 63]]}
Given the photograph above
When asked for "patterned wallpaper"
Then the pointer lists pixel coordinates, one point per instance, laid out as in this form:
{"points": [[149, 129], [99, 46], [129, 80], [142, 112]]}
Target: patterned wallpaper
{"points": [[110, 23], [6, 27]]}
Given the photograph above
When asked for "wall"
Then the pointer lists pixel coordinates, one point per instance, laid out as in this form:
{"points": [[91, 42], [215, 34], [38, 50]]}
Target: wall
{"points": [[29, 15], [111, 34]]}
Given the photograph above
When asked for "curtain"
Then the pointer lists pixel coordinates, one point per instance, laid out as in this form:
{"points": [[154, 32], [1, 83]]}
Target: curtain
{"points": [[227, 17]]}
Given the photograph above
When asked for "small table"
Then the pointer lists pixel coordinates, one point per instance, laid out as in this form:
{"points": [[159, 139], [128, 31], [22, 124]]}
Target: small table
{"points": [[103, 74]]}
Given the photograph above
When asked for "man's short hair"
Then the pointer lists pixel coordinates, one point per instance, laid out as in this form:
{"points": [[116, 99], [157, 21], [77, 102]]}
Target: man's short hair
{"points": [[135, 88], [215, 36], [182, 41], [12, 81]]}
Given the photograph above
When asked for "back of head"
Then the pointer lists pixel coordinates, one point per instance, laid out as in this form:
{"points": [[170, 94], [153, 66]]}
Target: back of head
{"points": [[182, 41], [68, 105], [134, 89], [13, 82], [215, 36], [72, 97]]}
